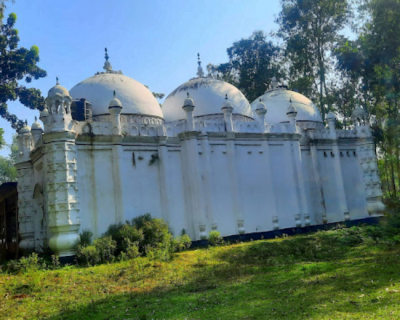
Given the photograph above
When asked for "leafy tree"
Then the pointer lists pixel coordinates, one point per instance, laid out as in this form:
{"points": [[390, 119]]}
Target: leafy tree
{"points": [[7, 170], [310, 30], [372, 61], [253, 62], [17, 64]]}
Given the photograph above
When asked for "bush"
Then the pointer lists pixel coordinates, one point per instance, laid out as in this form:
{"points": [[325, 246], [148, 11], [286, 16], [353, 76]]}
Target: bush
{"points": [[85, 238], [105, 248], [114, 231], [140, 221], [142, 235], [182, 243], [132, 250], [130, 234], [88, 255], [29, 263], [214, 238], [122, 234], [156, 235]]}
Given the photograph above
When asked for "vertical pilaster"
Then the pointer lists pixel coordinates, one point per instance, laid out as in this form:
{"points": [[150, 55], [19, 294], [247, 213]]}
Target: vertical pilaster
{"points": [[370, 175], [165, 203], [117, 175], [62, 192], [25, 209], [337, 167], [270, 192], [193, 183], [293, 147], [321, 218], [232, 169], [208, 187]]}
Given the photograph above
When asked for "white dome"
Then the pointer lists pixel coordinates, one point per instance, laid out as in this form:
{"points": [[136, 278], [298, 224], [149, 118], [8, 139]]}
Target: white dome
{"points": [[134, 96], [208, 95], [58, 90], [277, 102]]}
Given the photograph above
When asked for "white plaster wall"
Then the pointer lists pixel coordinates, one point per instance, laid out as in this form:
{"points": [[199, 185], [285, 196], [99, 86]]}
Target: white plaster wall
{"points": [[313, 193], [174, 189], [140, 183], [96, 189], [284, 184], [221, 196], [254, 188], [165, 191], [329, 185], [353, 185]]}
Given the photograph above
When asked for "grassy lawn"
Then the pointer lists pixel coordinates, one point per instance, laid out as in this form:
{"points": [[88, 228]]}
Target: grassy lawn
{"points": [[314, 276]]}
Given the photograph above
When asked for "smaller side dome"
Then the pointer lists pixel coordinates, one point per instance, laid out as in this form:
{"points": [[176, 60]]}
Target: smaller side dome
{"points": [[44, 113], [227, 104], [291, 110], [36, 125], [25, 129], [330, 116], [188, 102], [260, 105], [115, 103], [57, 90], [358, 112]]}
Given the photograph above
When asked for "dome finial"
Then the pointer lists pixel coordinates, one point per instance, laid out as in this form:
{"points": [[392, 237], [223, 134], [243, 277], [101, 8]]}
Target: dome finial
{"points": [[226, 96], [35, 119], [107, 65], [57, 83], [187, 93], [106, 56], [114, 93], [200, 72]]}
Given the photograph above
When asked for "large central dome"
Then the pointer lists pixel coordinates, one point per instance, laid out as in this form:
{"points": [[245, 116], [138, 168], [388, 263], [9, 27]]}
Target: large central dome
{"points": [[134, 96], [208, 95]]}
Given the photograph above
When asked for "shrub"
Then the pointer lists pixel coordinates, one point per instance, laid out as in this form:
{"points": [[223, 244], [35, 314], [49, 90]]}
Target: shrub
{"points": [[105, 246], [139, 221], [156, 235], [132, 250], [130, 234], [182, 243], [32, 262], [88, 255], [114, 231], [85, 238], [29, 263], [214, 238]]}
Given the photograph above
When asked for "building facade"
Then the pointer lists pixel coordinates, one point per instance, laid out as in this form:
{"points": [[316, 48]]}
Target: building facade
{"points": [[206, 160]]}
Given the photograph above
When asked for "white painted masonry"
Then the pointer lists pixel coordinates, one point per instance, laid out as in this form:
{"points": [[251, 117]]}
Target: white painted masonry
{"points": [[216, 165]]}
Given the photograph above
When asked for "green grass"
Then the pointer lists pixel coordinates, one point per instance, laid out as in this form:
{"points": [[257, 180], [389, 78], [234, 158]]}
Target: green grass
{"points": [[326, 275]]}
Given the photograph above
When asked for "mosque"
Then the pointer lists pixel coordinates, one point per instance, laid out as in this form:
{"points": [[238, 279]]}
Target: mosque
{"points": [[205, 160]]}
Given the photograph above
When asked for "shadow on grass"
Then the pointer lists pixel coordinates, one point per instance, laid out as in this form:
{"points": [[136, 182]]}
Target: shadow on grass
{"points": [[305, 277]]}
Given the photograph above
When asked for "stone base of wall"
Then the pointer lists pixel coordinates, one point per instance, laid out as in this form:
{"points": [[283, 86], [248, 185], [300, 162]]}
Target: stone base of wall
{"points": [[289, 231]]}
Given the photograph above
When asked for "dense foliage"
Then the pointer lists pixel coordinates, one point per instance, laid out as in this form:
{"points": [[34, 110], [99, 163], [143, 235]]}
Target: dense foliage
{"points": [[142, 236], [8, 172], [252, 64], [16, 64]]}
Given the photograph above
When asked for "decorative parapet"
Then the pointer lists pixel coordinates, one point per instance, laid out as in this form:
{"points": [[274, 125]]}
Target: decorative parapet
{"points": [[346, 134]]}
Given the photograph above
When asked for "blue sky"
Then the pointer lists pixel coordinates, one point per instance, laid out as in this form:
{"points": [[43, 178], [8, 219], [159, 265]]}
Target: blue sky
{"points": [[152, 41]]}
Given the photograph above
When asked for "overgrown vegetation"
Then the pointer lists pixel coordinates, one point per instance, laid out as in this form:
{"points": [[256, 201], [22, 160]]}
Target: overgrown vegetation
{"points": [[142, 236], [337, 274]]}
